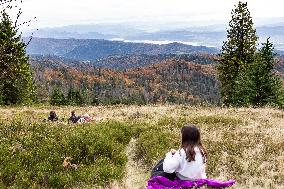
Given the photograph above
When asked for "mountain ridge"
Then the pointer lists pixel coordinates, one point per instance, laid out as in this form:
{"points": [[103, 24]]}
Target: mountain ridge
{"points": [[93, 49]]}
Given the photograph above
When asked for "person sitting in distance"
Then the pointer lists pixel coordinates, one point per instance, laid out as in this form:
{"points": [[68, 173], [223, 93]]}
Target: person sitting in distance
{"points": [[52, 116], [73, 118]]}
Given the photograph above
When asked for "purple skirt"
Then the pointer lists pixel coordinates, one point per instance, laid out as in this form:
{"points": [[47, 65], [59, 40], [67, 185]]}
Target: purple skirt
{"points": [[160, 182]]}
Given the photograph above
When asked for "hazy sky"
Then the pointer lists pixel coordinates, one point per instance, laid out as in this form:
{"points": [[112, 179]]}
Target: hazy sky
{"points": [[66, 12]]}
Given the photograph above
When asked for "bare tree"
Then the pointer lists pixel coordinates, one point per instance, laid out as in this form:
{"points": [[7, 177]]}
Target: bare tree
{"points": [[7, 6]]}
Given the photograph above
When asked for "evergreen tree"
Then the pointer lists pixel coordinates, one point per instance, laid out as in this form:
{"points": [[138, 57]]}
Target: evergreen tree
{"points": [[57, 97], [16, 80], [237, 52], [258, 85], [269, 85]]}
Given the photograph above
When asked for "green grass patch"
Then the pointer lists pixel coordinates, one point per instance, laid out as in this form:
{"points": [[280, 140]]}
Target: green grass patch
{"points": [[32, 154], [152, 145]]}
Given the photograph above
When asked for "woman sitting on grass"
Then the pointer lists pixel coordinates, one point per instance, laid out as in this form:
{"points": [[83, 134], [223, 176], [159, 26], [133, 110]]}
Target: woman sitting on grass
{"points": [[184, 168], [189, 162]]}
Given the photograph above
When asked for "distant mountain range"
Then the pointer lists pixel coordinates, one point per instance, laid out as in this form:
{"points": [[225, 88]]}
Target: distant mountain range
{"points": [[211, 35], [278, 52], [94, 49]]}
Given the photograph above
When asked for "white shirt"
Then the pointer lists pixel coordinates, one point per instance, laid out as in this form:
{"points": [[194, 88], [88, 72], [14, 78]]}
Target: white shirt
{"points": [[185, 170]]}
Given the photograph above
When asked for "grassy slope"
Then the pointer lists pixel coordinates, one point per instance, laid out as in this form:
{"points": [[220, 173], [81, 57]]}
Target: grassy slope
{"points": [[244, 144]]}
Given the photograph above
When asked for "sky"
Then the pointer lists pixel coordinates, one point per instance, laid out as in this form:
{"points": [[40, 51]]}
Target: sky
{"points": [[52, 13]]}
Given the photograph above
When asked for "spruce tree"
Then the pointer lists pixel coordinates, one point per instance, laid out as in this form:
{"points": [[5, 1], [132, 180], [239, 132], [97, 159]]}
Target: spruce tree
{"points": [[258, 84], [237, 52], [16, 79], [268, 83]]}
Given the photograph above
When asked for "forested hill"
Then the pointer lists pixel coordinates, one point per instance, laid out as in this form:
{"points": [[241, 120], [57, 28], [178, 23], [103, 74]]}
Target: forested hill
{"points": [[122, 62], [170, 80], [134, 61], [93, 49]]}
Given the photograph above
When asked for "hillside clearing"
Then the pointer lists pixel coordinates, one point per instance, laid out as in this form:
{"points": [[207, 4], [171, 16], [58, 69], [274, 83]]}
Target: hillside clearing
{"points": [[245, 144]]}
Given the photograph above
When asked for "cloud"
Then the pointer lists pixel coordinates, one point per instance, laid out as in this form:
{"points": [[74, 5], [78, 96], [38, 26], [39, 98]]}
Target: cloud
{"points": [[65, 12]]}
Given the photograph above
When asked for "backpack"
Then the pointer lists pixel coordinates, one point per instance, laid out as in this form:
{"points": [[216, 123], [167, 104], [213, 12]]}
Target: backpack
{"points": [[158, 171]]}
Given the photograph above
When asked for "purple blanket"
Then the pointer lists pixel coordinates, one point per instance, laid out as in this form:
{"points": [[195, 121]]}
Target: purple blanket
{"points": [[160, 182]]}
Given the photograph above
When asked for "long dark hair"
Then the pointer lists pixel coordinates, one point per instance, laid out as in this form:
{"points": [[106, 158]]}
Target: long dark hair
{"points": [[191, 139]]}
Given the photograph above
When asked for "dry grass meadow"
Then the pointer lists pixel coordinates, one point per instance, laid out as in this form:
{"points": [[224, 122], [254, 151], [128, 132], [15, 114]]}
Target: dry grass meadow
{"points": [[244, 144]]}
